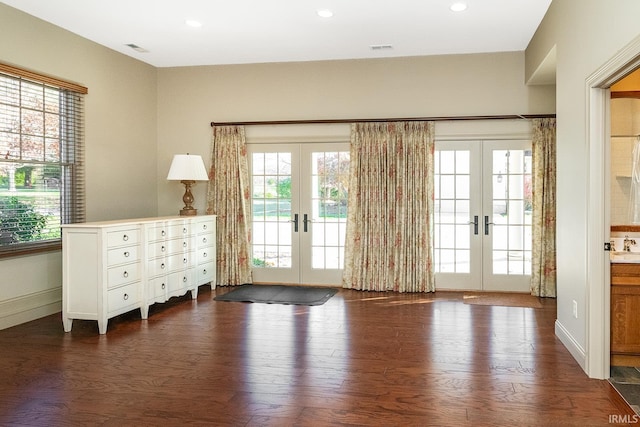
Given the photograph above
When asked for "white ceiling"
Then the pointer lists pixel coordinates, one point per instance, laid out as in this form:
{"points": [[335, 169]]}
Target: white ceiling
{"points": [[255, 31]]}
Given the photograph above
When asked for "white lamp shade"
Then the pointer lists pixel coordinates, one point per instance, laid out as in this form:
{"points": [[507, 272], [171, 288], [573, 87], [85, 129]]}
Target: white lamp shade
{"points": [[186, 167]]}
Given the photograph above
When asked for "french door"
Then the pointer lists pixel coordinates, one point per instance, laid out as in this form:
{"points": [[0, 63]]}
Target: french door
{"points": [[482, 218], [299, 212]]}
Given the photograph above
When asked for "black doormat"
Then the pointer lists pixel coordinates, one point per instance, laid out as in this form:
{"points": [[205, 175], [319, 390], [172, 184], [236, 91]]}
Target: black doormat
{"points": [[279, 294]]}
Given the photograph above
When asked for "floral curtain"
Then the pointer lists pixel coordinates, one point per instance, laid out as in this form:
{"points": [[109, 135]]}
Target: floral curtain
{"points": [[543, 265], [388, 244], [228, 197]]}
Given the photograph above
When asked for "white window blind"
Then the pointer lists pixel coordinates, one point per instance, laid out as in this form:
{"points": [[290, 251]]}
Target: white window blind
{"points": [[41, 160]]}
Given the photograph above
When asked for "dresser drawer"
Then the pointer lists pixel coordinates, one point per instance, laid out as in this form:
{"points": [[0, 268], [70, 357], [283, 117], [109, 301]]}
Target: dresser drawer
{"points": [[168, 247], [205, 255], [157, 267], [122, 237], [157, 289], [205, 227], [180, 261], [178, 230], [157, 232], [117, 276], [206, 272], [206, 240], [126, 254], [179, 245], [160, 266], [123, 297], [157, 249], [179, 282]]}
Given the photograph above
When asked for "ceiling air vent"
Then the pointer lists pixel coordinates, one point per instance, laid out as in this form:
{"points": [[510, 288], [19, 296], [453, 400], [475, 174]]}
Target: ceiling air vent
{"points": [[381, 47], [137, 48]]}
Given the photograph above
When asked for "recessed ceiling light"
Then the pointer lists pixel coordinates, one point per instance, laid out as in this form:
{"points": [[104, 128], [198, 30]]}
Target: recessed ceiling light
{"points": [[193, 23], [324, 13], [458, 7]]}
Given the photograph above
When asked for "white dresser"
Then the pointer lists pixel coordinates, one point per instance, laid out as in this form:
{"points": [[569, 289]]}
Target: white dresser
{"points": [[112, 267]]}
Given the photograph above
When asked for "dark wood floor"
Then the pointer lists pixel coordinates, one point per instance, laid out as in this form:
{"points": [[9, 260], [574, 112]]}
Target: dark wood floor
{"points": [[360, 359]]}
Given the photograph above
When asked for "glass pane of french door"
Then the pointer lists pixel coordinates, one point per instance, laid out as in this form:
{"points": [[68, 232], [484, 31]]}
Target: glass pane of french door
{"points": [[299, 200], [482, 218]]}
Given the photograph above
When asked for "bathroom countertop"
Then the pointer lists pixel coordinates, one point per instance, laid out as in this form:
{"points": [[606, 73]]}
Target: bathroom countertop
{"points": [[629, 228]]}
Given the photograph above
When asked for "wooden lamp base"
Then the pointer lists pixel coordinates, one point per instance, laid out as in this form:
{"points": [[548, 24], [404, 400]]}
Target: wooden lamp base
{"points": [[188, 199]]}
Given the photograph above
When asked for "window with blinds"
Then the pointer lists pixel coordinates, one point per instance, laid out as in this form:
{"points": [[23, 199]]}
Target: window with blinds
{"points": [[41, 160]]}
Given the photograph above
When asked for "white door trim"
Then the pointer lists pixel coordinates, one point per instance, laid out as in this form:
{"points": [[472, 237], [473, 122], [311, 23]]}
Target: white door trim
{"points": [[597, 358]]}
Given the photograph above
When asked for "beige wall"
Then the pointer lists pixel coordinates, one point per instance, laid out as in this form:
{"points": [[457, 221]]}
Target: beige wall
{"points": [[190, 98], [120, 143], [587, 34]]}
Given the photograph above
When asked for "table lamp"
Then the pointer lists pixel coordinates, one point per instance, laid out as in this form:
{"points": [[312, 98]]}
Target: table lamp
{"points": [[187, 169]]}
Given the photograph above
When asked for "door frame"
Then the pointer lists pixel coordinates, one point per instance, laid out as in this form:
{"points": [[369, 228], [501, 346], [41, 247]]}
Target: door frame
{"points": [[471, 281], [278, 275], [309, 275], [481, 248], [595, 359], [299, 133], [476, 130], [497, 282]]}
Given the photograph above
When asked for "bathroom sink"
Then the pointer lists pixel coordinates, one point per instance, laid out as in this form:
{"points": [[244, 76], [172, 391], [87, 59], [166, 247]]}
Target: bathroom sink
{"points": [[628, 257]]}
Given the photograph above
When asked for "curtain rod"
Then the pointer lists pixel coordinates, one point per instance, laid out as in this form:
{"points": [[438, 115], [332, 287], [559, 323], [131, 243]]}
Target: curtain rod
{"points": [[409, 119]]}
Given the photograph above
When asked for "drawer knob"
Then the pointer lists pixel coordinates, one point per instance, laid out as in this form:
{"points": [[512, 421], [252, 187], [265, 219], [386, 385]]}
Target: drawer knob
{"points": [[184, 279], [126, 297], [125, 237], [204, 240], [163, 233], [126, 254], [184, 260], [204, 271], [162, 266], [204, 226], [184, 244], [204, 255], [163, 248], [184, 231], [125, 274], [162, 286]]}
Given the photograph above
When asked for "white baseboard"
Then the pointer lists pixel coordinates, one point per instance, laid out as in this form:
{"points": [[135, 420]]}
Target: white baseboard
{"points": [[572, 345], [30, 307]]}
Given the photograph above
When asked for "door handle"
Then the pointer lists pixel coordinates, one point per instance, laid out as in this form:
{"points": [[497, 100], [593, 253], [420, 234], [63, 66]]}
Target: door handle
{"points": [[486, 225], [475, 224], [306, 221], [295, 223]]}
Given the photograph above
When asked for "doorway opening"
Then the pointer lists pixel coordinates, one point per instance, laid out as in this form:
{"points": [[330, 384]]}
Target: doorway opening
{"points": [[299, 212], [598, 329]]}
